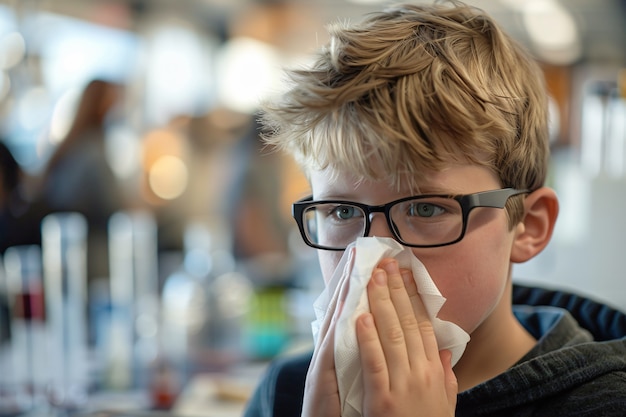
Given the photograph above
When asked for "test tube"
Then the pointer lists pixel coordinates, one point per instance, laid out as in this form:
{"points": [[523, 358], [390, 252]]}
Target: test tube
{"points": [[23, 355], [25, 292], [134, 298], [64, 237]]}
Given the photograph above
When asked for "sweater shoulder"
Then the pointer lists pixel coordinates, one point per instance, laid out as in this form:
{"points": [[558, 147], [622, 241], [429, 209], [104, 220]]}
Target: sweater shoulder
{"points": [[602, 396]]}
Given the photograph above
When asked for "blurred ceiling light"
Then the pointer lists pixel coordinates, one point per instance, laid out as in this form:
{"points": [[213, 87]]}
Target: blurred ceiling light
{"points": [[168, 177], [248, 71], [160, 142], [165, 173], [178, 79], [552, 30], [74, 51], [12, 50]]}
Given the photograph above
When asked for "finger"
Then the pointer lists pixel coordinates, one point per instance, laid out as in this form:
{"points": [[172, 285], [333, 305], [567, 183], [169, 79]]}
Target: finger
{"points": [[403, 305], [375, 372], [387, 323], [428, 340], [321, 392]]}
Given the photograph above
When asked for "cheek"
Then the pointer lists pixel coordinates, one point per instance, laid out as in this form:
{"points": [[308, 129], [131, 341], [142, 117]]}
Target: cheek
{"points": [[472, 292], [472, 275]]}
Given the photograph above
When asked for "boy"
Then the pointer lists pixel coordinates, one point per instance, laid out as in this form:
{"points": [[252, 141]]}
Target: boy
{"points": [[427, 124]]}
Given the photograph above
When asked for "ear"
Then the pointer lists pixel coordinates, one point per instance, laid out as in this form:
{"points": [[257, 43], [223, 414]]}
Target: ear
{"points": [[533, 233]]}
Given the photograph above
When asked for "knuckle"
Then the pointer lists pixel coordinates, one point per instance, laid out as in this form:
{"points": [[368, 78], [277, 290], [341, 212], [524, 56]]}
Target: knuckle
{"points": [[395, 282], [426, 377], [375, 366], [409, 323], [387, 404], [426, 328], [395, 335], [383, 405]]}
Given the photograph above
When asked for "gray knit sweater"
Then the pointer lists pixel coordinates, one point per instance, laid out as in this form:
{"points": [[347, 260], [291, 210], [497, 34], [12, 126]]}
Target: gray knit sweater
{"points": [[565, 374]]}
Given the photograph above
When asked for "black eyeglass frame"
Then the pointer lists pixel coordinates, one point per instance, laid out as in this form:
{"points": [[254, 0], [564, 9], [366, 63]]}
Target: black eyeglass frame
{"points": [[468, 202]]}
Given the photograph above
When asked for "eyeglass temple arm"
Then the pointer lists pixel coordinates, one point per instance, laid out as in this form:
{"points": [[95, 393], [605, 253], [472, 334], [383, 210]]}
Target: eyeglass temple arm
{"points": [[495, 199]]}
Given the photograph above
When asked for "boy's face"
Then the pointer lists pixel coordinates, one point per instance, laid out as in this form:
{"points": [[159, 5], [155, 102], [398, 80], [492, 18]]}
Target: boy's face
{"points": [[473, 273]]}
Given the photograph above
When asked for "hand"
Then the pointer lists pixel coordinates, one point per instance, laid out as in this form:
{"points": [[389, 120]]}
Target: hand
{"points": [[321, 391], [403, 371]]}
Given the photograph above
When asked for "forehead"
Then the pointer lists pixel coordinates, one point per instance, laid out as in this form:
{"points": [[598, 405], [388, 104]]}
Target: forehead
{"points": [[398, 170], [455, 178]]}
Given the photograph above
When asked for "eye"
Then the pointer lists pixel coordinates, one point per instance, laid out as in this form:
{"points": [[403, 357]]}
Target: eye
{"points": [[424, 210], [345, 212]]}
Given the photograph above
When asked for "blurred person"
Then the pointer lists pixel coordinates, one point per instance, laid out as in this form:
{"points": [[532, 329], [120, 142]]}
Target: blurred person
{"points": [[255, 198], [78, 177]]}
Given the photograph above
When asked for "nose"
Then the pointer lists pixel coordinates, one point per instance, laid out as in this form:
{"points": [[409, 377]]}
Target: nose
{"points": [[379, 226]]}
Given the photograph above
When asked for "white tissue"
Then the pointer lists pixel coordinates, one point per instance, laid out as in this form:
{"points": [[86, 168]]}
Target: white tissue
{"points": [[349, 282]]}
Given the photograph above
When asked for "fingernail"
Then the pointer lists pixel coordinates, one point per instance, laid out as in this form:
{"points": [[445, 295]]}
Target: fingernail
{"points": [[390, 266], [380, 277], [367, 320]]}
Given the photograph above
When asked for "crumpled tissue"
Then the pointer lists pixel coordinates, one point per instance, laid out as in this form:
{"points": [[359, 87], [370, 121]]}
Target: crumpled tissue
{"points": [[348, 286]]}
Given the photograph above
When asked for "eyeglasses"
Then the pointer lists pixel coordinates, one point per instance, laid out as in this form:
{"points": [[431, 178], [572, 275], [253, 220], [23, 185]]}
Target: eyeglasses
{"points": [[424, 221]]}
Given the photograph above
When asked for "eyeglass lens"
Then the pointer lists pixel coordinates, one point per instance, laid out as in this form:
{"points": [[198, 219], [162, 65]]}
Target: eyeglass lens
{"points": [[419, 221]]}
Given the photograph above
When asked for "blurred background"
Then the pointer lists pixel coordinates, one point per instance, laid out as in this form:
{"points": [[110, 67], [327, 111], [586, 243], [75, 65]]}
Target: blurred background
{"points": [[145, 231]]}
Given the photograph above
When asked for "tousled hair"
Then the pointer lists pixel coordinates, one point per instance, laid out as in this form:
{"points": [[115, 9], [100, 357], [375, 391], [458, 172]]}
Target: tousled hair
{"points": [[416, 87]]}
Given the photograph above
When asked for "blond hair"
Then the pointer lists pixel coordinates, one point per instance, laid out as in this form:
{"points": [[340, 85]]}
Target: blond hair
{"points": [[415, 87]]}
